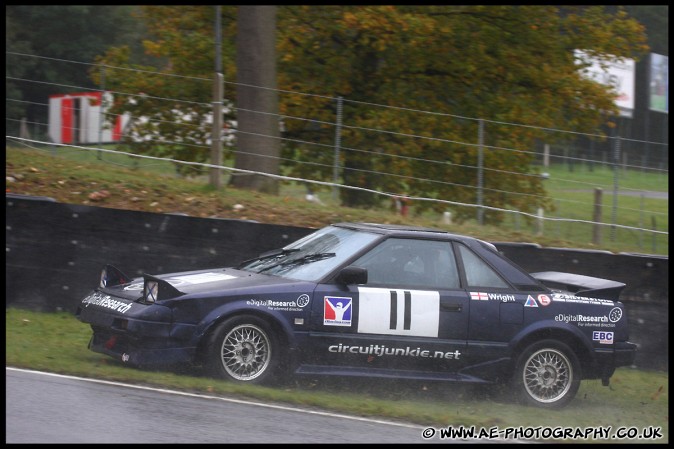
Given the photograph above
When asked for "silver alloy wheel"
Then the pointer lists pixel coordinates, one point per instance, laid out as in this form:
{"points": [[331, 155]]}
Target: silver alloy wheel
{"points": [[245, 352], [547, 375]]}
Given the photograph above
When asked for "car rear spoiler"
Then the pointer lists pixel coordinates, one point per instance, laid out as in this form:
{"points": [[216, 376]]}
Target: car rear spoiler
{"points": [[580, 285]]}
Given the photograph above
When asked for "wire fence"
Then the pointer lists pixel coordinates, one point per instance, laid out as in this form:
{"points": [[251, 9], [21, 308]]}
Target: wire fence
{"points": [[581, 173]]}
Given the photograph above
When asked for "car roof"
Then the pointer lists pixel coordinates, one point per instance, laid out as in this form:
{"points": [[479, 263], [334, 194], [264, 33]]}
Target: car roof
{"points": [[507, 267], [410, 231]]}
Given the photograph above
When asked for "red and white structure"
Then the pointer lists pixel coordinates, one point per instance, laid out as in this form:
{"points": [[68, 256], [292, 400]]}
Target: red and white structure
{"points": [[78, 118]]}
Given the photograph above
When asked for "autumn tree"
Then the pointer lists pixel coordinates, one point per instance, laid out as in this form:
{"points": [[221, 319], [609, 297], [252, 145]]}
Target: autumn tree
{"points": [[170, 101], [173, 99], [414, 82], [507, 64]]}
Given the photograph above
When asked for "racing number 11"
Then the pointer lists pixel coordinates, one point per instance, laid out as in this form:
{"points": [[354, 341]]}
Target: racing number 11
{"points": [[407, 310]]}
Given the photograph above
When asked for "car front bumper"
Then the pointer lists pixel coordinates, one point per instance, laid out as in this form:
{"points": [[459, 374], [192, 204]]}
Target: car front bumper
{"points": [[141, 351]]}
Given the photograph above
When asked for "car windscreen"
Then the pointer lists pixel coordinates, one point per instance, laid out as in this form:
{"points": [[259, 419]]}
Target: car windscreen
{"points": [[312, 257]]}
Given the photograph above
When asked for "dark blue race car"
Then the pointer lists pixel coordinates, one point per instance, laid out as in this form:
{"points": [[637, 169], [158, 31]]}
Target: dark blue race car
{"points": [[371, 300]]}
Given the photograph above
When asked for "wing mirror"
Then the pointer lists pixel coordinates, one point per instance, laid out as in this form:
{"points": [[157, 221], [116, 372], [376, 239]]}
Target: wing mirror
{"points": [[352, 275]]}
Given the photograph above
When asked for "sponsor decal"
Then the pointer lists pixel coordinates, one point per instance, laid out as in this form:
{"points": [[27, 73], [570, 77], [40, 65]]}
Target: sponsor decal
{"points": [[544, 300], [500, 297], [382, 350], [272, 304], [481, 296], [581, 299], [385, 311], [135, 286], [531, 302], [200, 278], [615, 314], [103, 300], [604, 338], [303, 300], [176, 281], [478, 296], [592, 320], [337, 311]]}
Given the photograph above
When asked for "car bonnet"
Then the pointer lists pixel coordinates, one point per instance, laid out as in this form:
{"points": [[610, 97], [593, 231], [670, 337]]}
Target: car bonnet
{"points": [[215, 281]]}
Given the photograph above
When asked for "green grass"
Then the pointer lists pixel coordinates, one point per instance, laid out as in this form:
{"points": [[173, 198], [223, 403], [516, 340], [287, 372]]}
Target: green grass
{"points": [[603, 176], [574, 198], [113, 159], [57, 342]]}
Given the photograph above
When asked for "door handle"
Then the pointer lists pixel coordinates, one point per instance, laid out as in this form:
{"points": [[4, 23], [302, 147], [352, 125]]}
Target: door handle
{"points": [[451, 307]]}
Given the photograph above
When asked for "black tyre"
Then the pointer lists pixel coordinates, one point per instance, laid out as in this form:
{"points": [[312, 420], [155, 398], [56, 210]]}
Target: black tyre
{"points": [[244, 349], [547, 374]]}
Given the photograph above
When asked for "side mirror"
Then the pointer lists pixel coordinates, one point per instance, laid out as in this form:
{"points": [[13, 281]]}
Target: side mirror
{"points": [[352, 275]]}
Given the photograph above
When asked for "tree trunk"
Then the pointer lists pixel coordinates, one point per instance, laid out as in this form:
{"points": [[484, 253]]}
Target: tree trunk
{"points": [[258, 143]]}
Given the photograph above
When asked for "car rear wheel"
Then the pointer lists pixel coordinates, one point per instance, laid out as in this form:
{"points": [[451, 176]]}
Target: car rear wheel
{"points": [[244, 349], [548, 374]]}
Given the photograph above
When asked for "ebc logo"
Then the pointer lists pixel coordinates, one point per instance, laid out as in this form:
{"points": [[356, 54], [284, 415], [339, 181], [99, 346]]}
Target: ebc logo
{"points": [[605, 338], [337, 311]]}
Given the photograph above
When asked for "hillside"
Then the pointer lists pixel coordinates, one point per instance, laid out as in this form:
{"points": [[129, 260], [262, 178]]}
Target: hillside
{"points": [[104, 184], [37, 173]]}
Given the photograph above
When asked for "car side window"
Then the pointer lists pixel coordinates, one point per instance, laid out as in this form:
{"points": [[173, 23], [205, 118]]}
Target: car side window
{"points": [[410, 263], [478, 273]]}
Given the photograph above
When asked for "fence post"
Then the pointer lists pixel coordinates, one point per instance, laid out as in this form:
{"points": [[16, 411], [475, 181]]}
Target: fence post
{"points": [[641, 222], [23, 132], [101, 114], [338, 143], [653, 234], [558, 224], [218, 94], [539, 222], [596, 216], [447, 218], [614, 211], [216, 137], [480, 175]]}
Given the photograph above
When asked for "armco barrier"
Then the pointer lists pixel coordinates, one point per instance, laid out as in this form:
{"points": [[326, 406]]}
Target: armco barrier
{"points": [[55, 251]]}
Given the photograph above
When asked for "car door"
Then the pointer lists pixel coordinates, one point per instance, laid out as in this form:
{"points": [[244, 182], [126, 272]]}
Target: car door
{"points": [[411, 314], [496, 308]]}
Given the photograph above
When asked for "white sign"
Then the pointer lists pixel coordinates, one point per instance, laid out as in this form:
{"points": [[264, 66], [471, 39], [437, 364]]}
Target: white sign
{"points": [[659, 83], [415, 313], [617, 73]]}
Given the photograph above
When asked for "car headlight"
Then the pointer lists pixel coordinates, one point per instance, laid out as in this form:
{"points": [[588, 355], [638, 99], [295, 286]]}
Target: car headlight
{"points": [[111, 276], [155, 289], [151, 291], [104, 278]]}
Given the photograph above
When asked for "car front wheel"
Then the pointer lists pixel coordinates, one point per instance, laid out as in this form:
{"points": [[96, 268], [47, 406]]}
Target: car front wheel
{"points": [[244, 349], [548, 374]]}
